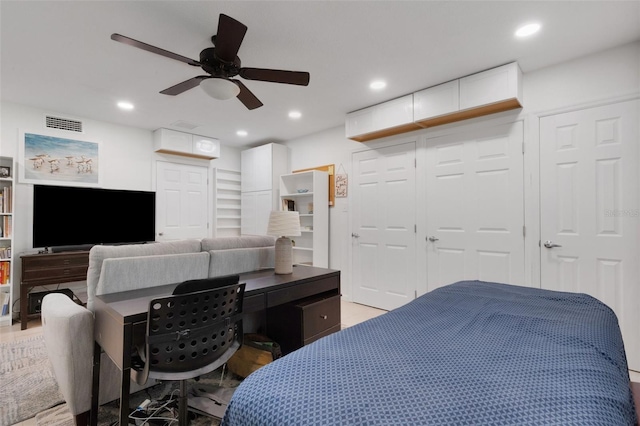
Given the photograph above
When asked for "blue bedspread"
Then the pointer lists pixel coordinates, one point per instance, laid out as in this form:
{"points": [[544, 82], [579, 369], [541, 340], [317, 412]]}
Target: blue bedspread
{"points": [[471, 353]]}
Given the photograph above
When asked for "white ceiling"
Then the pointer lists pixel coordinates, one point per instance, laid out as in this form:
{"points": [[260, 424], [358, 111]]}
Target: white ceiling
{"points": [[58, 55]]}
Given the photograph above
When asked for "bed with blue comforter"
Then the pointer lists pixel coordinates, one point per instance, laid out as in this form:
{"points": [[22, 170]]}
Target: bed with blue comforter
{"points": [[471, 353]]}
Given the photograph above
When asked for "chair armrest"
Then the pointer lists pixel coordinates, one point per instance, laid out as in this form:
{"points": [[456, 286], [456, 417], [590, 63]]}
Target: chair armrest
{"points": [[68, 335]]}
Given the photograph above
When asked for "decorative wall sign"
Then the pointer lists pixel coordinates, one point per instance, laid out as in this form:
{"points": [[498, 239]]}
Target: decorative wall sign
{"points": [[341, 185], [330, 169], [341, 182], [52, 160]]}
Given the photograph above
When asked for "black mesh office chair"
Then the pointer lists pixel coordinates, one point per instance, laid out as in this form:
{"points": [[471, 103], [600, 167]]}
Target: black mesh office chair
{"points": [[191, 333]]}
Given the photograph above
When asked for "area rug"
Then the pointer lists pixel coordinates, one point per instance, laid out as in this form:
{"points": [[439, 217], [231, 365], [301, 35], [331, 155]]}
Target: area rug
{"points": [[27, 382], [108, 413]]}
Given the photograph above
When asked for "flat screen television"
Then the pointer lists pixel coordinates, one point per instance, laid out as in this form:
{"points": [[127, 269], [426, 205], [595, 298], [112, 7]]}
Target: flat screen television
{"points": [[74, 216]]}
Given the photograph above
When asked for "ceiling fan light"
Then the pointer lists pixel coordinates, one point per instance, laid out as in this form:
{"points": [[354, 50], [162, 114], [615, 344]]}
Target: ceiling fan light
{"points": [[220, 88]]}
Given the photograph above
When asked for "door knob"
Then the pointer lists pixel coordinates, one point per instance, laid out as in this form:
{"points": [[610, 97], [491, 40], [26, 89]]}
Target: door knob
{"points": [[550, 244], [354, 235], [433, 239]]}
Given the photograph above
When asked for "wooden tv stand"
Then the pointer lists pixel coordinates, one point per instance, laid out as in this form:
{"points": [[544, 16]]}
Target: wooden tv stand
{"points": [[47, 269]]}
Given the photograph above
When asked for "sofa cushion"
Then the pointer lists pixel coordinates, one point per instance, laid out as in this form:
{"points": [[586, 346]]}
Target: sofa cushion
{"points": [[131, 273], [99, 253], [237, 261], [245, 241]]}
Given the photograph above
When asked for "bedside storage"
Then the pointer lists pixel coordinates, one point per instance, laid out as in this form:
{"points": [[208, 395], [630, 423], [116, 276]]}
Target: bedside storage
{"points": [[305, 321]]}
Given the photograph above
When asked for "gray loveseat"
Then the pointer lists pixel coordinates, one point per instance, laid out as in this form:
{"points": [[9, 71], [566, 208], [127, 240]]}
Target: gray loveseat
{"points": [[68, 328]]}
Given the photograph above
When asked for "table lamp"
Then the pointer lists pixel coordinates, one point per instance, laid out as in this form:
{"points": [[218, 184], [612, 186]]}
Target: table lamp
{"points": [[284, 224]]}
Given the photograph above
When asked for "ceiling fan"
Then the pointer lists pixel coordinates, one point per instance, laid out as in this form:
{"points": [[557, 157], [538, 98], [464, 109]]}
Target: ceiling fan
{"points": [[222, 63]]}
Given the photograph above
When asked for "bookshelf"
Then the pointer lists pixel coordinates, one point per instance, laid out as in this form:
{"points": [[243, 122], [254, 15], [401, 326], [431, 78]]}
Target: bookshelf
{"points": [[7, 173], [307, 193], [227, 199]]}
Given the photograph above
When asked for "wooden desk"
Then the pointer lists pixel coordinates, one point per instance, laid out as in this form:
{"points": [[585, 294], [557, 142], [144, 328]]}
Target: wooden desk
{"points": [[120, 318], [49, 268]]}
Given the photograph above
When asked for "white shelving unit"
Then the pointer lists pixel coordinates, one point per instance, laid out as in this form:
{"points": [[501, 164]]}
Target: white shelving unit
{"points": [[308, 193], [227, 198], [7, 170]]}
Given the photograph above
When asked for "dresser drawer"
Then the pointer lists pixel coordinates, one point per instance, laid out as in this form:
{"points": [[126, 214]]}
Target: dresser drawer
{"points": [[63, 260], [319, 315], [30, 275]]}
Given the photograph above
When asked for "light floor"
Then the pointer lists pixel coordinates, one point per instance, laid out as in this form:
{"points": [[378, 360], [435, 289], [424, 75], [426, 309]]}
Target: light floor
{"points": [[352, 314]]}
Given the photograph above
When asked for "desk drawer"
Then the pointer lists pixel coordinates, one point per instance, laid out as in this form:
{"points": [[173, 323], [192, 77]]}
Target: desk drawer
{"points": [[326, 332], [319, 315], [301, 291]]}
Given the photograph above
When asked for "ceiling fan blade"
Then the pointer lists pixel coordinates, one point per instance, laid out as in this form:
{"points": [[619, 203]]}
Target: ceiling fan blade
{"points": [[247, 97], [184, 86], [229, 37], [299, 78], [153, 49]]}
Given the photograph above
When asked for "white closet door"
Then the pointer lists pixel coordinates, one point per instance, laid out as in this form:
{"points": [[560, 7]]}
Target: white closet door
{"points": [[589, 190], [384, 238], [181, 201], [475, 206]]}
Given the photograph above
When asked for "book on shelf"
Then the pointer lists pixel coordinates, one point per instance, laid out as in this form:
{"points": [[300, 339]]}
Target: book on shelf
{"points": [[6, 299], [5, 269], [289, 205]]}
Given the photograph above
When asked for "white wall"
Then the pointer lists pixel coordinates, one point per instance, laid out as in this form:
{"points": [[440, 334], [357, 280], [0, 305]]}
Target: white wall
{"points": [[127, 161], [608, 75]]}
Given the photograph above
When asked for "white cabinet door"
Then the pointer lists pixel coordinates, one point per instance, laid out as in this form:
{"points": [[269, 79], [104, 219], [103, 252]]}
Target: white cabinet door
{"points": [[435, 101], [360, 122], [256, 207], [384, 219], [393, 113], [589, 203], [181, 201], [172, 141], [491, 86], [475, 206]]}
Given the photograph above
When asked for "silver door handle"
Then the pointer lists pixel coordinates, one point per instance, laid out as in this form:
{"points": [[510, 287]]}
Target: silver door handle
{"points": [[550, 244], [354, 235], [433, 239]]}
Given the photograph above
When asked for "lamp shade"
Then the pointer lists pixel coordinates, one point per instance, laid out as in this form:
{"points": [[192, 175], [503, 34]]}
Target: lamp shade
{"points": [[284, 224], [220, 88]]}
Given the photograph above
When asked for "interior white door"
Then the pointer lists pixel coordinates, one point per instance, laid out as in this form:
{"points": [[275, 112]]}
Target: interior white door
{"points": [[384, 247], [590, 217], [181, 201], [475, 206]]}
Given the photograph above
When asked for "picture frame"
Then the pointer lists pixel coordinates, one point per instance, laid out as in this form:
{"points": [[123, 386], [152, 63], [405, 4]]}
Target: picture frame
{"points": [[5, 172], [53, 159]]}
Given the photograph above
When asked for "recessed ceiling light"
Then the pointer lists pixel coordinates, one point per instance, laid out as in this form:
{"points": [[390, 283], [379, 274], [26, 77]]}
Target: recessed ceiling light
{"points": [[125, 105], [295, 114], [242, 133], [528, 29], [378, 85]]}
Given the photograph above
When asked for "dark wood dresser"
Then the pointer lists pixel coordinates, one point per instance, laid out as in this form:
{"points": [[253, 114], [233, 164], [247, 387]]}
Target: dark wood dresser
{"points": [[49, 268]]}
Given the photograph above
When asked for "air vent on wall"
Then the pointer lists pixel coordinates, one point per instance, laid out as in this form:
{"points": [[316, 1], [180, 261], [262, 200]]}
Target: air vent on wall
{"points": [[63, 124]]}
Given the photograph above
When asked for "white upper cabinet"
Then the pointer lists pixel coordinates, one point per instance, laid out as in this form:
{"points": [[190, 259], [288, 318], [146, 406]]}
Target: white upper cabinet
{"points": [[168, 141], [262, 166], [437, 100], [385, 119], [489, 87], [487, 92]]}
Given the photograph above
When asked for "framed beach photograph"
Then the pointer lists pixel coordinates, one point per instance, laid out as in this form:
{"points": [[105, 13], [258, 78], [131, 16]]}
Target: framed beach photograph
{"points": [[53, 160], [5, 172]]}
